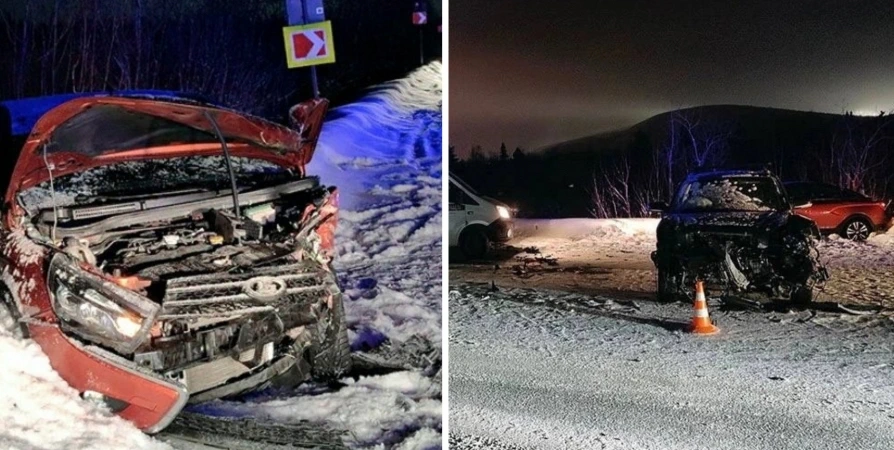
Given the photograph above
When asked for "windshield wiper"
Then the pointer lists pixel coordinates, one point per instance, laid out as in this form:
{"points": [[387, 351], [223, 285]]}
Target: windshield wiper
{"points": [[87, 200], [134, 205]]}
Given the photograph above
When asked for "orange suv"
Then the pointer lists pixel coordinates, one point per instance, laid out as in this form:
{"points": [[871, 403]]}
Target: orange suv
{"points": [[837, 210]]}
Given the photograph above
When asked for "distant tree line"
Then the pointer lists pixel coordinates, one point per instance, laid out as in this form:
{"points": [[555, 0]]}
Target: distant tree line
{"points": [[229, 52], [620, 174]]}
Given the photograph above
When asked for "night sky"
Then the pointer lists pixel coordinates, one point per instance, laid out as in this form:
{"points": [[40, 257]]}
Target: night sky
{"points": [[536, 73]]}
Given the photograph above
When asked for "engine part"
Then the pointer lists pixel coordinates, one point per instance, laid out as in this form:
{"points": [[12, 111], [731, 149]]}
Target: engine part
{"points": [[261, 213], [93, 231], [254, 231], [222, 224], [78, 250], [171, 240]]}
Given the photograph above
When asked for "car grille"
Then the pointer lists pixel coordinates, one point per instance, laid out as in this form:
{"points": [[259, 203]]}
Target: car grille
{"points": [[226, 294]]}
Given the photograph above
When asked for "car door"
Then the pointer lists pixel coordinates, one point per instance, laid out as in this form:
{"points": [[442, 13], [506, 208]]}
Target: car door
{"points": [[824, 200], [457, 213]]}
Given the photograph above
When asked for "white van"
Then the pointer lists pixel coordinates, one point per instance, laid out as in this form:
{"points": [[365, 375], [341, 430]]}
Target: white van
{"points": [[475, 220]]}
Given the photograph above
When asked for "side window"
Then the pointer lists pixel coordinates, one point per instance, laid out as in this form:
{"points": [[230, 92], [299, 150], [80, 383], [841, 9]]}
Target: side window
{"points": [[832, 192], [824, 192], [458, 198], [797, 194], [455, 195], [847, 194]]}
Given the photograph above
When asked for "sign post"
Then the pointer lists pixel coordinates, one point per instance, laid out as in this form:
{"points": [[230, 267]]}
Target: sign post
{"points": [[308, 38], [420, 18]]}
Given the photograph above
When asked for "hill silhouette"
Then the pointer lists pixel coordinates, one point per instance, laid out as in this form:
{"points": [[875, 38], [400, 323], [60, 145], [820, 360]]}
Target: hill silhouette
{"points": [[560, 180]]}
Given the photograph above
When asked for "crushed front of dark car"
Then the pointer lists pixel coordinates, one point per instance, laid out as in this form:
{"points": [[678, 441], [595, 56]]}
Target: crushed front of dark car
{"points": [[735, 231]]}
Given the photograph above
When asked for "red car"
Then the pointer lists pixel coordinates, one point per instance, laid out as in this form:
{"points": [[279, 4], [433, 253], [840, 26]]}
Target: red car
{"points": [[164, 251], [836, 210]]}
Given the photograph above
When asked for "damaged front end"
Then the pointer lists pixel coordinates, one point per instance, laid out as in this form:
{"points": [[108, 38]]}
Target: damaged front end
{"points": [[757, 252], [215, 303], [175, 270]]}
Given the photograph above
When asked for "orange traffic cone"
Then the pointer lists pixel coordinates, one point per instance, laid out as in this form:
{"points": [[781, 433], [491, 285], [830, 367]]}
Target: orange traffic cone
{"points": [[701, 323]]}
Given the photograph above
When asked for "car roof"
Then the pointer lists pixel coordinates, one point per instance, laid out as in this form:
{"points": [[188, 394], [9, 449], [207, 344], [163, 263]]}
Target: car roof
{"points": [[20, 115], [726, 173], [808, 183]]}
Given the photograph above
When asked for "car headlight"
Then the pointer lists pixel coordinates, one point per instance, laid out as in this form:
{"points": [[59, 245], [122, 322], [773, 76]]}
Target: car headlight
{"points": [[98, 309], [503, 212]]}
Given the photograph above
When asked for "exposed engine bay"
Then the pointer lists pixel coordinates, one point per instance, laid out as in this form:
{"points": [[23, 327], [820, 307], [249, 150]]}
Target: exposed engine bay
{"points": [[245, 295], [188, 236], [736, 232], [779, 265]]}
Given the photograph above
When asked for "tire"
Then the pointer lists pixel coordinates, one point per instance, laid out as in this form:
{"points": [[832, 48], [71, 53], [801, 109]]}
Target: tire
{"points": [[9, 317], [330, 355], [668, 291], [856, 229], [802, 296], [473, 243]]}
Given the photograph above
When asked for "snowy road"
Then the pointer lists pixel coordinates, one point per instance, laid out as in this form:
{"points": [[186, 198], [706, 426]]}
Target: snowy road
{"points": [[543, 369]]}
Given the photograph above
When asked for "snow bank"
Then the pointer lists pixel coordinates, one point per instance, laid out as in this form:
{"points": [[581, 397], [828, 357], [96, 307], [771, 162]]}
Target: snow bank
{"points": [[638, 236], [376, 410], [384, 154], [584, 228], [589, 241], [397, 123], [877, 251]]}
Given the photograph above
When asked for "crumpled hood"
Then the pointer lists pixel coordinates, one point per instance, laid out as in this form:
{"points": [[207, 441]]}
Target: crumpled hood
{"points": [[94, 131]]}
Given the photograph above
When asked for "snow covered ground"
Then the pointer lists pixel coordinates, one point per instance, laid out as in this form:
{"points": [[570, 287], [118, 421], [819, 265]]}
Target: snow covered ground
{"points": [[573, 353], [40, 411], [384, 152], [547, 369]]}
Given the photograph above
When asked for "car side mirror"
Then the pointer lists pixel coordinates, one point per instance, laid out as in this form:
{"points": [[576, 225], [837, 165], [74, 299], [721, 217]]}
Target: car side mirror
{"points": [[803, 205], [659, 206]]}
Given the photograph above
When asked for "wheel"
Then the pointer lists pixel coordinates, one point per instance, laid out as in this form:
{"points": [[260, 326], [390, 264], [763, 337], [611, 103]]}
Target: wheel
{"points": [[668, 290], [473, 243], [856, 229], [802, 295], [9, 317], [330, 354]]}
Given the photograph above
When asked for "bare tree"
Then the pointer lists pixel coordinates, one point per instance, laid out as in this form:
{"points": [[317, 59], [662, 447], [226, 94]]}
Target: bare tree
{"points": [[857, 153], [616, 193], [692, 139], [706, 139]]}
